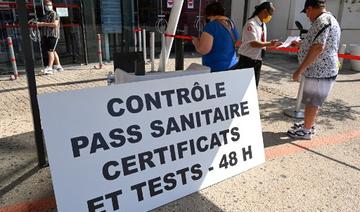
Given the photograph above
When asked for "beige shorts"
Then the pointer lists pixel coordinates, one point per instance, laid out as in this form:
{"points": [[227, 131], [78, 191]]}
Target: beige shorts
{"points": [[316, 91]]}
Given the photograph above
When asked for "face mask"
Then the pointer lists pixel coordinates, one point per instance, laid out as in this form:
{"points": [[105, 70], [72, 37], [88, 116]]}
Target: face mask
{"points": [[48, 8], [267, 19]]}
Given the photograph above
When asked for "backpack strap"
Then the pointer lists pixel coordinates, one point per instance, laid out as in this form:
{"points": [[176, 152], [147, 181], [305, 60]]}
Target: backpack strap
{"points": [[321, 31], [229, 29]]}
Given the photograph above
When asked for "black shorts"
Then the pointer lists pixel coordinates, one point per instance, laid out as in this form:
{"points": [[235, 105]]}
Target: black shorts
{"points": [[50, 43]]}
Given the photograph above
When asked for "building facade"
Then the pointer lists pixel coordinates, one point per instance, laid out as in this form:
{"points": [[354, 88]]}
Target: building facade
{"points": [[115, 20], [82, 20]]}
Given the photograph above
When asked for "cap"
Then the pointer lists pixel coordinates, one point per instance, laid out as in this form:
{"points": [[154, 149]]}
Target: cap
{"points": [[313, 3]]}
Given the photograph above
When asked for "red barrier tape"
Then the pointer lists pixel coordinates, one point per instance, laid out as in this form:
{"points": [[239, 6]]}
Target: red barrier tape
{"points": [[288, 49], [67, 5], [295, 50], [183, 37], [10, 26], [13, 4], [349, 56]]}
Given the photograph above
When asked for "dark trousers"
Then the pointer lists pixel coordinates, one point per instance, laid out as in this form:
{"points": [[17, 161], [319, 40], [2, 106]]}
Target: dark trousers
{"points": [[246, 62]]}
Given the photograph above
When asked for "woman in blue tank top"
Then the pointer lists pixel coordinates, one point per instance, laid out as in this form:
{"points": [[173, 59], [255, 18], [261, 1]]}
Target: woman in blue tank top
{"points": [[217, 42]]}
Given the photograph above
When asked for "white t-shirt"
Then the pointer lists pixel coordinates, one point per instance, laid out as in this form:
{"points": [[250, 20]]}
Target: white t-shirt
{"points": [[252, 31]]}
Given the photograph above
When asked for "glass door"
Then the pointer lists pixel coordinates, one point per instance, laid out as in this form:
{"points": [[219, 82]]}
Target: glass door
{"points": [[71, 45], [9, 28]]}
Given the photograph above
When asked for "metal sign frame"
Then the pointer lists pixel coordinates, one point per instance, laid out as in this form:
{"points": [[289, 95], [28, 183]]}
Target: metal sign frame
{"points": [[30, 73]]}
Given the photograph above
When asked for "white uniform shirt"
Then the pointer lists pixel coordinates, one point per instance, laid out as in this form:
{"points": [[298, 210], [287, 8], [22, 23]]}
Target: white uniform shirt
{"points": [[252, 31]]}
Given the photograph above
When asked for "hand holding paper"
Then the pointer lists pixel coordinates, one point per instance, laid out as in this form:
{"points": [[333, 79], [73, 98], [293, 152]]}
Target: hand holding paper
{"points": [[275, 43], [289, 41]]}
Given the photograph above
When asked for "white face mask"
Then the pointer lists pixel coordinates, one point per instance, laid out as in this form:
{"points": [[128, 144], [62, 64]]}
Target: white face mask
{"points": [[48, 7]]}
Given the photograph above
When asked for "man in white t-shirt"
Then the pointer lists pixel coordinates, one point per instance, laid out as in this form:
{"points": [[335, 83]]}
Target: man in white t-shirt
{"points": [[318, 57]]}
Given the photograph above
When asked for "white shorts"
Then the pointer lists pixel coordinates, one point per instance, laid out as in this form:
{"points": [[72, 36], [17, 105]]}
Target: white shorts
{"points": [[316, 91]]}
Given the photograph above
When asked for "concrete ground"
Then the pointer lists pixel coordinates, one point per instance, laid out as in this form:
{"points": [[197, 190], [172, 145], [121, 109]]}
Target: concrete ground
{"points": [[318, 175]]}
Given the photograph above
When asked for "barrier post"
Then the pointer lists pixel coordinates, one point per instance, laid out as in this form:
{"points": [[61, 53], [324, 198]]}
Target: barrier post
{"points": [[99, 51], [144, 45], [12, 57], [29, 67], [172, 26], [152, 50], [140, 40], [342, 50], [163, 53], [179, 54], [135, 41], [106, 46], [297, 113]]}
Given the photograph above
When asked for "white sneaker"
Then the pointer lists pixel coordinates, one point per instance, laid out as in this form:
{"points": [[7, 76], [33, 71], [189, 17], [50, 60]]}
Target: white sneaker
{"points": [[58, 68], [300, 133], [299, 125], [48, 70]]}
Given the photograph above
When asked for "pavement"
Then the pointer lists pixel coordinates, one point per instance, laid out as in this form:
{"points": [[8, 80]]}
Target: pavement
{"points": [[318, 175]]}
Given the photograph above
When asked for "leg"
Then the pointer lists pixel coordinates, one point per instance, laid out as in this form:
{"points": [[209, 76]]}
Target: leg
{"points": [[306, 131], [257, 69], [51, 59], [57, 60], [310, 115], [315, 93], [44, 50], [244, 62]]}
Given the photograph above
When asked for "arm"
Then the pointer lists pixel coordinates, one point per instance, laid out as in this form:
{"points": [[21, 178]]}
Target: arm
{"points": [[203, 44], [295, 44], [55, 21], [311, 57], [250, 37], [259, 44], [53, 24]]}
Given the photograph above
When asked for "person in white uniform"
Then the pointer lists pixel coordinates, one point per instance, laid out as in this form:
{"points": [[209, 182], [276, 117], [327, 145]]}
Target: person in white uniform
{"points": [[254, 38]]}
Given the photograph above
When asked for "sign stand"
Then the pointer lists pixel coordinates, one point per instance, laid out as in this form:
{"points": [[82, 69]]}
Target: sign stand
{"points": [[297, 113], [29, 62]]}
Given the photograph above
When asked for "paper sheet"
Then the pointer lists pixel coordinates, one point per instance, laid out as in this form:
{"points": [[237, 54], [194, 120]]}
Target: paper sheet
{"points": [[288, 41]]}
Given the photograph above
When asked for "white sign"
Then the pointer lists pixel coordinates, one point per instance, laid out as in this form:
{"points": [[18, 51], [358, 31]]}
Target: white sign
{"points": [[137, 146], [190, 4], [170, 3], [62, 11]]}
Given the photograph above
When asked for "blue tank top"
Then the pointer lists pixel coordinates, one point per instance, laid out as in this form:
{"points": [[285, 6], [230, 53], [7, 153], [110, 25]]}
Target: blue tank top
{"points": [[222, 55]]}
